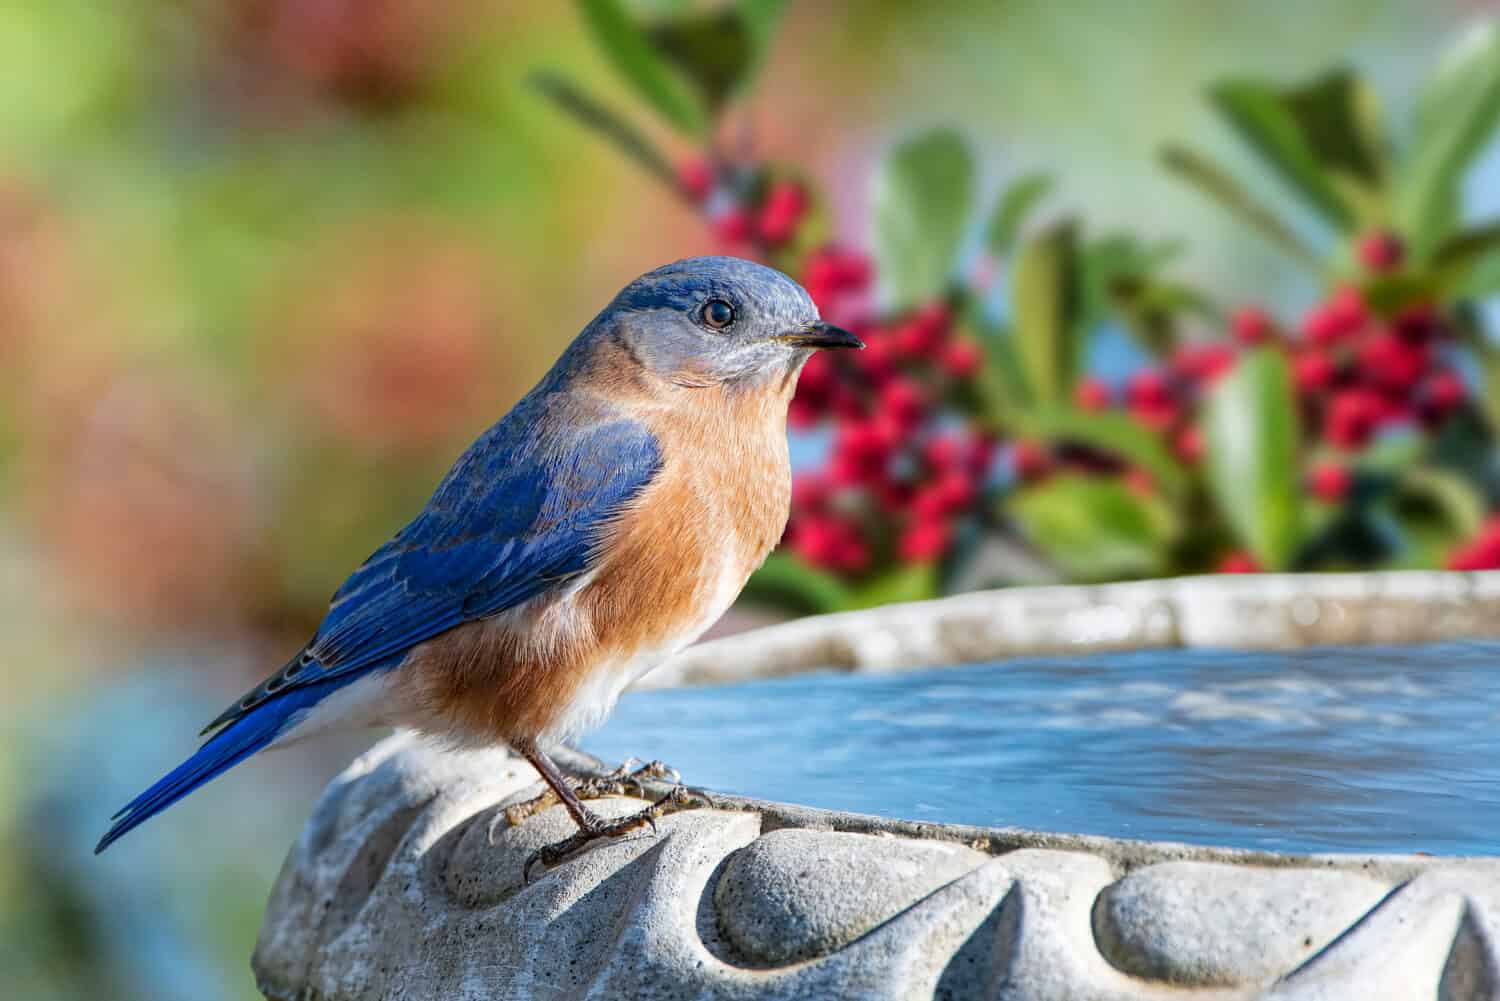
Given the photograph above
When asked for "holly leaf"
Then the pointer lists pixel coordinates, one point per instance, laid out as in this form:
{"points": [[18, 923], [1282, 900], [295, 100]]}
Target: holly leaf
{"points": [[1283, 130], [1456, 116], [1218, 184], [922, 199], [1251, 425], [1094, 528], [637, 60], [1047, 293], [1012, 209]]}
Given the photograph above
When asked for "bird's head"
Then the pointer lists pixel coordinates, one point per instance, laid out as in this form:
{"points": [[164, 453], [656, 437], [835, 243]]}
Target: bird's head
{"points": [[712, 320]]}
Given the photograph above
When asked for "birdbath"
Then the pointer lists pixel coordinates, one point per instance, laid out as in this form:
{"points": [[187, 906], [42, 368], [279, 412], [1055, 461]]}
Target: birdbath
{"points": [[1298, 821]]}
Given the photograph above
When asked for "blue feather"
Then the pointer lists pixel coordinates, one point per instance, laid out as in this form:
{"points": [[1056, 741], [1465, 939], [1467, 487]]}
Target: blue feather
{"points": [[222, 751], [521, 511]]}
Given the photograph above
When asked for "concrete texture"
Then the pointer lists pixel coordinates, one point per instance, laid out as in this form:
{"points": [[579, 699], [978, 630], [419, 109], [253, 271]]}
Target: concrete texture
{"points": [[407, 884]]}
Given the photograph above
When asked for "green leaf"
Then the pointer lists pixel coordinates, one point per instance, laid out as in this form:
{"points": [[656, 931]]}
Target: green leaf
{"points": [[1448, 494], [1094, 527], [1267, 120], [786, 582], [1456, 257], [1011, 209], [1251, 426], [910, 582], [922, 199], [714, 49], [1001, 386], [1456, 116], [1211, 179], [595, 116], [1046, 290], [1112, 432], [1489, 370], [634, 58], [1339, 115]]}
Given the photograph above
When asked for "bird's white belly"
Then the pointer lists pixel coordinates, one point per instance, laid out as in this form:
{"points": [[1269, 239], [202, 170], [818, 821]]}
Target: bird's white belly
{"points": [[596, 696]]}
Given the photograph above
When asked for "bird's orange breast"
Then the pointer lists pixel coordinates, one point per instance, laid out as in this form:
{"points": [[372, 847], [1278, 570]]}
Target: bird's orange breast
{"points": [[668, 567]]}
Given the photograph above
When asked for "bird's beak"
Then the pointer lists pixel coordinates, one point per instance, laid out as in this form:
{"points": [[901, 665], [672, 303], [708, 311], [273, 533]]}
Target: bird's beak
{"points": [[821, 335]]}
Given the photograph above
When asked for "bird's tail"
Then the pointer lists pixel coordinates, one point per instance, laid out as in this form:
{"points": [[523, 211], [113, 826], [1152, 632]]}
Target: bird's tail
{"points": [[221, 752]]}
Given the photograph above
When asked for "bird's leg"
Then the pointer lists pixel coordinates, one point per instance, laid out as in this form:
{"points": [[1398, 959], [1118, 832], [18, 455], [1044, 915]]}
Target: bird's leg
{"points": [[626, 780], [591, 827], [558, 791]]}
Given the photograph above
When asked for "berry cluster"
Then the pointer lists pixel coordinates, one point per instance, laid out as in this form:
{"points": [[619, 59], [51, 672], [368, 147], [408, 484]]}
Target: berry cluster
{"points": [[748, 213], [905, 470]]}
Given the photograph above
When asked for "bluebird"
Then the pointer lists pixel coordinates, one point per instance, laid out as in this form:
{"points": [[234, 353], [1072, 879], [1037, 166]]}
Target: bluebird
{"points": [[594, 531]]}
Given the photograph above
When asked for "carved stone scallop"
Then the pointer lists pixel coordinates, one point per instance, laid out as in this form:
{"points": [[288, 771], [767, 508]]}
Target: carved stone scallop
{"points": [[406, 884]]}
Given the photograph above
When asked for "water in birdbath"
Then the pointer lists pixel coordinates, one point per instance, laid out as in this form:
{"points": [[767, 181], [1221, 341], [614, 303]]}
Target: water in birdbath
{"points": [[1392, 749]]}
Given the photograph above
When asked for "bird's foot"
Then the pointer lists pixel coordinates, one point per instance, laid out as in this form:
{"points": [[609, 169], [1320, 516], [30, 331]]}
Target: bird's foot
{"points": [[679, 798], [627, 780]]}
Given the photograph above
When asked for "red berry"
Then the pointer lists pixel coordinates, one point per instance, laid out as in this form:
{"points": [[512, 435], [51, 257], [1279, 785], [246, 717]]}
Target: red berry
{"points": [[1445, 391], [1321, 326], [810, 491], [1189, 444], [853, 555], [929, 502], [1158, 416], [1387, 360], [1148, 389], [1205, 361], [957, 492], [979, 454], [903, 402], [944, 452], [919, 337], [781, 212], [819, 541], [879, 358], [1351, 419], [1313, 372], [1251, 326], [1481, 552], [1329, 481], [1030, 461], [1238, 561], [1092, 394], [963, 359], [837, 270], [1381, 251], [936, 317], [732, 225], [695, 175], [925, 541], [1348, 308], [1342, 315]]}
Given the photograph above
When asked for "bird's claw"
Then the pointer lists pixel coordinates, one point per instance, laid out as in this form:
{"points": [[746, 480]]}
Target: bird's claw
{"points": [[678, 798]]}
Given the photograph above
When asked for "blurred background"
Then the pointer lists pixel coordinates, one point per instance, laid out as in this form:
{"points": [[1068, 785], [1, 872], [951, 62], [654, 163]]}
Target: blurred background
{"points": [[1150, 288]]}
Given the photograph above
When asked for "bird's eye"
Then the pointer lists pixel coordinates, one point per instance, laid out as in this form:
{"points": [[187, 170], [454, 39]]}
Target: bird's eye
{"points": [[716, 314]]}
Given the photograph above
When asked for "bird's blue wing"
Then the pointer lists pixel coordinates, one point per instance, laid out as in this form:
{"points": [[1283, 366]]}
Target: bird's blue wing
{"points": [[521, 512]]}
